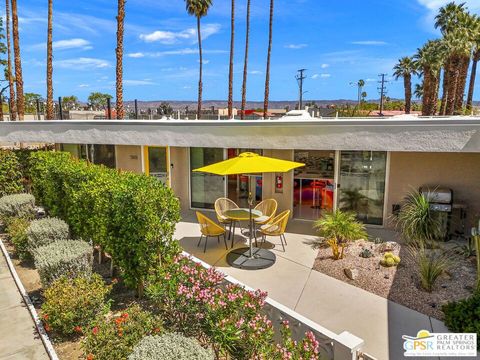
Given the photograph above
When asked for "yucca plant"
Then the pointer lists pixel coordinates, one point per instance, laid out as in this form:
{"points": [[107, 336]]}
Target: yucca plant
{"points": [[416, 221], [431, 264], [337, 229]]}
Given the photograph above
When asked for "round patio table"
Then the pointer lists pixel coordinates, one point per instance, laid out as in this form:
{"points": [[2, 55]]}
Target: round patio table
{"points": [[245, 257]]}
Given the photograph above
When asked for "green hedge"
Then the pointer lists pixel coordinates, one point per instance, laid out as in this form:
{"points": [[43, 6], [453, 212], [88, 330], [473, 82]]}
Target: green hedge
{"points": [[132, 216], [11, 179]]}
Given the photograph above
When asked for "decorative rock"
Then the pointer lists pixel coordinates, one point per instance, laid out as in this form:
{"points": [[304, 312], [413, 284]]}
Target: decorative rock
{"points": [[352, 274], [388, 246], [40, 212], [387, 276]]}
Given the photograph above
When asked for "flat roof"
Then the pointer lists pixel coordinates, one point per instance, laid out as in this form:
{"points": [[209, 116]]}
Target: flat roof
{"points": [[436, 134]]}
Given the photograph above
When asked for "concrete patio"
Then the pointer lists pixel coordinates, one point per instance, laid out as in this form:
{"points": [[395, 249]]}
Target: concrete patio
{"points": [[331, 303]]}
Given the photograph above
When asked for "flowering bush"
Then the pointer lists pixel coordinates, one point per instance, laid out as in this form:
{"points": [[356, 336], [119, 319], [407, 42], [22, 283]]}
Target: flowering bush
{"points": [[17, 229], [170, 346], [115, 337], [307, 349], [71, 304]]}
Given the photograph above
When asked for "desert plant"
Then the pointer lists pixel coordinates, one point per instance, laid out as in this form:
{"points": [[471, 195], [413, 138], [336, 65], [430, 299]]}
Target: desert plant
{"points": [[431, 264], [17, 229], [71, 304], [69, 258], [46, 231], [389, 260], [339, 229], [17, 205], [170, 346], [463, 316], [416, 221], [366, 253], [11, 179], [114, 338]]}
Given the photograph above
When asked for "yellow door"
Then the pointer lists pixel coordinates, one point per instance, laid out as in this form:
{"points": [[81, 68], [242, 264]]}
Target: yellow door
{"points": [[156, 163]]}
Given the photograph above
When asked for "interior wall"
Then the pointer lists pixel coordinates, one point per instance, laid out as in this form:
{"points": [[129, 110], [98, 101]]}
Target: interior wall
{"points": [[284, 199], [458, 171], [129, 158], [179, 165]]}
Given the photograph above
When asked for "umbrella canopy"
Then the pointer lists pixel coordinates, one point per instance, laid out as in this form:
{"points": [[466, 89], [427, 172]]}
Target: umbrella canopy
{"points": [[249, 163]]}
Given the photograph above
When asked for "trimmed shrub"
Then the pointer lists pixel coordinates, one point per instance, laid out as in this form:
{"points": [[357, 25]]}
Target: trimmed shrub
{"points": [[114, 338], [17, 229], [464, 315], [170, 346], [46, 231], [11, 179], [17, 205], [132, 216], [72, 304], [70, 258]]}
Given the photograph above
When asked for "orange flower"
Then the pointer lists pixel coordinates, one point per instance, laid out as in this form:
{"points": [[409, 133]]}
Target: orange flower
{"points": [[118, 321], [90, 356], [95, 330], [120, 333], [125, 315], [47, 327], [78, 329], [156, 330], [45, 316]]}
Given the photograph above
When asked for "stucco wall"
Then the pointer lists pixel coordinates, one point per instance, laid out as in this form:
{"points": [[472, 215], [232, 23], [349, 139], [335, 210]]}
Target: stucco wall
{"points": [[285, 199], [460, 172], [179, 158], [129, 158]]}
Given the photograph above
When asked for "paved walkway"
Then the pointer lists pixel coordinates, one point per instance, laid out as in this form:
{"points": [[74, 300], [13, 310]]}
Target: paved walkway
{"points": [[19, 339], [331, 303]]}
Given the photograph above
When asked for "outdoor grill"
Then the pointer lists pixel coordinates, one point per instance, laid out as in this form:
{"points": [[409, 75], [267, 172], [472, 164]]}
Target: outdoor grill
{"points": [[441, 202]]}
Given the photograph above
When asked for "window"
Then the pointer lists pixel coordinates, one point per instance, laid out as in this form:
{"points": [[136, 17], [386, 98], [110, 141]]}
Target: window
{"points": [[205, 188], [104, 155]]}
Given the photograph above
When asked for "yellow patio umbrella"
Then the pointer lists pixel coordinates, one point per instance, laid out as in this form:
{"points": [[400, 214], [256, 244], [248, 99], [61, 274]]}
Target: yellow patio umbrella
{"points": [[250, 163]]}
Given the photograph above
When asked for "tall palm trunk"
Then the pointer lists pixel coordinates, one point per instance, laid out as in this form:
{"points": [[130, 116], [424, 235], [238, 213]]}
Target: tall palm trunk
{"points": [[407, 83], [18, 62], [461, 84], [436, 91], [427, 92], [230, 73], [119, 53], [50, 110], [452, 84], [245, 63], [269, 53], [200, 84], [446, 75], [11, 101], [471, 87]]}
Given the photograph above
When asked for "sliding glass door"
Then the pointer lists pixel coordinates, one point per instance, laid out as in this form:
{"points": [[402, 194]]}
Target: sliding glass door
{"points": [[361, 184], [205, 188]]}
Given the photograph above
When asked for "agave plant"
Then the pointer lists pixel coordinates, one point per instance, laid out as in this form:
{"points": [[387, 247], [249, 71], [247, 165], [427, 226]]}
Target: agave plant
{"points": [[416, 221], [338, 229]]}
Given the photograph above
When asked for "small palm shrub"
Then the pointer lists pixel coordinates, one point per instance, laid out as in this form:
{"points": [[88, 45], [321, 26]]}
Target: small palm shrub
{"points": [[170, 346], [11, 179], [115, 337], [416, 221], [431, 264], [17, 229], [338, 229], [46, 231], [72, 304], [69, 258], [17, 205], [463, 316]]}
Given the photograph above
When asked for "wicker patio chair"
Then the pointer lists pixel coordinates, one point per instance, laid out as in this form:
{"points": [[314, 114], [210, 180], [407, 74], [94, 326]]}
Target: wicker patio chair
{"points": [[209, 228], [276, 227]]}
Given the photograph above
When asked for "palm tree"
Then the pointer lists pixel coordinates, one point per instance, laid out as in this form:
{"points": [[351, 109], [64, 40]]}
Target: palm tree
{"points": [[18, 62], [405, 68], [119, 53], [245, 63], [199, 9], [230, 73], [418, 92], [11, 105], [50, 110], [475, 59], [269, 53]]}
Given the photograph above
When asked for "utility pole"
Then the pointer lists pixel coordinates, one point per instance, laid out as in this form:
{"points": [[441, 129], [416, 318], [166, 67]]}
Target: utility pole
{"points": [[300, 77], [383, 91]]}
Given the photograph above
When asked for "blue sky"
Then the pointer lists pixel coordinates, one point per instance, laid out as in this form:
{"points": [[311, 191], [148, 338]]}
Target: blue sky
{"points": [[338, 42]]}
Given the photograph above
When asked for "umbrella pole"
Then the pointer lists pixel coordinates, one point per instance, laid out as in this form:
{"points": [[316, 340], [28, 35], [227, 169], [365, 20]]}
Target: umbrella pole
{"points": [[250, 203]]}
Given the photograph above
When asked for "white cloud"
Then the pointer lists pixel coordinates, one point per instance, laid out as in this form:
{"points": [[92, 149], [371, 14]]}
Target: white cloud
{"points": [[433, 5], [138, 82], [255, 72], [369, 42], [136, 55], [82, 63], [315, 76], [324, 66], [83, 85], [295, 46], [325, 75], [171, 37], [72, 44]]}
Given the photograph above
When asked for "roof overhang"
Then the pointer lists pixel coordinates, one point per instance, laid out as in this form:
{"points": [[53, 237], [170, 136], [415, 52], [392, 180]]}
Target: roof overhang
{"points": [[460, 134]]}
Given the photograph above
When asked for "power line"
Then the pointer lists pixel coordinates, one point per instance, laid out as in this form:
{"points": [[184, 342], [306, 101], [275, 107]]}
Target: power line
{"points": [[300, 77], [383, 91]]}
